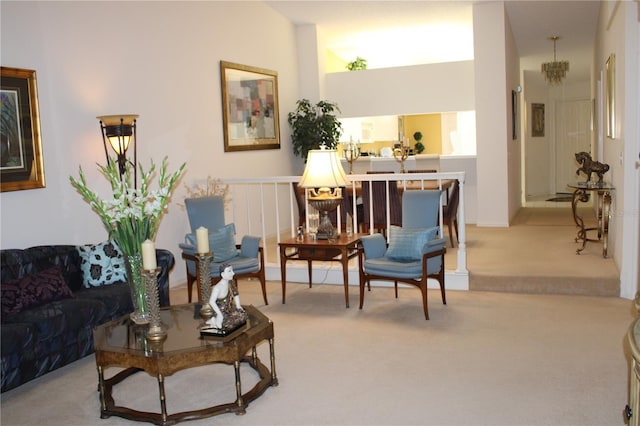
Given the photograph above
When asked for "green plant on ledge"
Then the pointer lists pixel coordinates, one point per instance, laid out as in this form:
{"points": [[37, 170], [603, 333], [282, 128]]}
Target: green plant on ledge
{"points": [[419, 146], [358, 64], [313, 126]]}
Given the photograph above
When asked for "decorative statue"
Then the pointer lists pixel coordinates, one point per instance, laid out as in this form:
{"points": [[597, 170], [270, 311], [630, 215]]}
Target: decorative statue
{"points": [[588, 166], [225, 301]]}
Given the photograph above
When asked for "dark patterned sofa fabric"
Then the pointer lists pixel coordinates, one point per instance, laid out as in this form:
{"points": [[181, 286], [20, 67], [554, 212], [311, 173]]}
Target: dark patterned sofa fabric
{"points": [[48, 331]]}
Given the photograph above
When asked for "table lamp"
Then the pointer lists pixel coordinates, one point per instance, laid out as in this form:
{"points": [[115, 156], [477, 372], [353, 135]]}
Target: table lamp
{"points": [[324, 176]]}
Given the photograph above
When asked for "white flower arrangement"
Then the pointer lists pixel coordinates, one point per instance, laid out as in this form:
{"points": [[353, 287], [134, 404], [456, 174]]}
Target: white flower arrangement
{"points": [[132, 215]]}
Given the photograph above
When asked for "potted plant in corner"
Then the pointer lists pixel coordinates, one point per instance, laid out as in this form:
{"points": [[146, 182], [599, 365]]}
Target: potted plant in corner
{"points": [[313, 126], [419, 146]]}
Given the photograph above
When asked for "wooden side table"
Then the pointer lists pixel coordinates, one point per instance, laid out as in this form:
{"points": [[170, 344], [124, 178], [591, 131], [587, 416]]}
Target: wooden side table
{"points": [[340, 249]]}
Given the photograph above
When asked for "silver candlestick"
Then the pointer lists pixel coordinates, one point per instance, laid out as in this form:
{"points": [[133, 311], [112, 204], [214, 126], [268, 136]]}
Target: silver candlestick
{"points": [[156, 331]]}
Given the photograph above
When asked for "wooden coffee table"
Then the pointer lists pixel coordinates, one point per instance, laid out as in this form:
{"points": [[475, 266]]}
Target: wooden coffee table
{"points": [[340, 249], [122, 343]]}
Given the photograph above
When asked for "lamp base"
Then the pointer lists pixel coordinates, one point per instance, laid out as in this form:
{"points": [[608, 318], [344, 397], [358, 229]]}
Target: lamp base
{"points": [[326, 231]]}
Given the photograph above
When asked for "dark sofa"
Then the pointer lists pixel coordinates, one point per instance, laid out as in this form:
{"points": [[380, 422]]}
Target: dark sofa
{"points": [[45, 336]]}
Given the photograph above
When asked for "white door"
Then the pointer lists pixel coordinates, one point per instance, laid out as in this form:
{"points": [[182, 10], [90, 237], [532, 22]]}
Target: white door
{"points": [[573, 134]]}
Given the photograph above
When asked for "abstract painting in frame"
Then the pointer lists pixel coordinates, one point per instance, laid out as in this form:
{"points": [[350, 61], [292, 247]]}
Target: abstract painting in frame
{"points": [[250, 107], [610, 96], [537, 120], [21, 162]]}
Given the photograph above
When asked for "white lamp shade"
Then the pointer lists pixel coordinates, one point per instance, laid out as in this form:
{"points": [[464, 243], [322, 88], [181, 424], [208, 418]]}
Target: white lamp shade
{"points": [[323, 170]]}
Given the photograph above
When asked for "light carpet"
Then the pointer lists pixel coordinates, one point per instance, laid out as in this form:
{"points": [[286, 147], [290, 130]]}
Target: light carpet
{"points": [[483, 359], [537, 254]]}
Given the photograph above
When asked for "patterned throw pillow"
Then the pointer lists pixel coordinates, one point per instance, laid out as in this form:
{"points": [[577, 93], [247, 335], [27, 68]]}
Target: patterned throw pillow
{"points": [[34, 290], [102, 264], [405, 244]]}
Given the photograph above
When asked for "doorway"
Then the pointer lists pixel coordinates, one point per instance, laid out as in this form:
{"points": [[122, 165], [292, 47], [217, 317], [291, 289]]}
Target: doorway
{"points": [[572, 134]]}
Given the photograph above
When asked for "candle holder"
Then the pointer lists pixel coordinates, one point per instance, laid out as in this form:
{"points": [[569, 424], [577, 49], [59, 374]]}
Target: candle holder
{"points": [[400, 154], [156, 331], [204, 282], [351, 154]]}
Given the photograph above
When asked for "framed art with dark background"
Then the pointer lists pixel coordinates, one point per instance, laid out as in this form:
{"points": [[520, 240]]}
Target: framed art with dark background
{"points": [[21, 162]]}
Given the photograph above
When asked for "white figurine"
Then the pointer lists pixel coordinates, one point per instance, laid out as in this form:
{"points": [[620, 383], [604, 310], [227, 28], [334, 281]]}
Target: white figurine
{"points": [[225, 301]]}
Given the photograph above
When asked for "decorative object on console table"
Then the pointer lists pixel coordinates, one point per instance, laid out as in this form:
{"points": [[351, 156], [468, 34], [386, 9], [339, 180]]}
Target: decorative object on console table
{"points": [[250, 107], [21, 161], [589, 166], [131, 217], [325, 176]]}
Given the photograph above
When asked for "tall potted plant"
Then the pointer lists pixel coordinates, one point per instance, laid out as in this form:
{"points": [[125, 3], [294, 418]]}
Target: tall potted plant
{"points": [[313, 126]]}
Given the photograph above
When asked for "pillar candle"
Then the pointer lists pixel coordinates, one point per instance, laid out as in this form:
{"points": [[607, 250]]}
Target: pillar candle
{"points": [[202, 240], [149, 255]]}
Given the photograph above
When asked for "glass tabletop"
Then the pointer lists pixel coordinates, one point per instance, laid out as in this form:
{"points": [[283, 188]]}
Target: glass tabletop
{"points": [[604, 186], [182, 323]]}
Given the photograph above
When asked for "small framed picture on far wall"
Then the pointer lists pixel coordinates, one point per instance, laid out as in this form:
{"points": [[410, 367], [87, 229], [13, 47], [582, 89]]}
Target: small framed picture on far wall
{"points": [[537, 120]]}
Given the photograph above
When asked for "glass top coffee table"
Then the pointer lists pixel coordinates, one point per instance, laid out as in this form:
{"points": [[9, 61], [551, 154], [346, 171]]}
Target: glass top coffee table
{"points": [[122, 343]]}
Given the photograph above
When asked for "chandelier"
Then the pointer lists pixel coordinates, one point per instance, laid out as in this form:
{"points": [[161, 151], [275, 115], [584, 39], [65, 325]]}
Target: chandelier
{"points": [[555, 71]]}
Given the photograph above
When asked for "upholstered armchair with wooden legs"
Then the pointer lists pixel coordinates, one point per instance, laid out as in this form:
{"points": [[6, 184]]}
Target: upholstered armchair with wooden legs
{"points": [[247, 258], [450, 212], [414, 252]]}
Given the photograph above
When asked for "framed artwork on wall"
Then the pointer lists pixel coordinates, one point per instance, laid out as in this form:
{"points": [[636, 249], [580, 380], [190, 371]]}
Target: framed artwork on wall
{"points": [[537, 120], [21, 162], [514, 115], [610, 96], [249, 107]]}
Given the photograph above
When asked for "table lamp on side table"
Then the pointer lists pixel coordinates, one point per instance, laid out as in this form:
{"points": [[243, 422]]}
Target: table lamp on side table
{"points": [[324, 176]]}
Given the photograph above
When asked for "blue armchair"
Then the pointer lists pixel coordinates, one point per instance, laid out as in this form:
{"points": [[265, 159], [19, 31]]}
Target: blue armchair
{"points": [[247, 258], [413, 253]]}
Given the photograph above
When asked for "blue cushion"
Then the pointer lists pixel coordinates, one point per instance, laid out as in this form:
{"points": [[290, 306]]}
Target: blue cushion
{"points": [[222, 242], [374, 245], [406, 244]]}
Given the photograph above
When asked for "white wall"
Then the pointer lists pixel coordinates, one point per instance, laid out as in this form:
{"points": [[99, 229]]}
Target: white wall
{"points": [[156, 59], [493, 109], [419, 89], [513, 146], [619, 33]]}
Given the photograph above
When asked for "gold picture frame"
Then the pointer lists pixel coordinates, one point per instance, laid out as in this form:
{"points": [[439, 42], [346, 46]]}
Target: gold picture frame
{"points": [[610, 96], [249, 107], [21, 161]]}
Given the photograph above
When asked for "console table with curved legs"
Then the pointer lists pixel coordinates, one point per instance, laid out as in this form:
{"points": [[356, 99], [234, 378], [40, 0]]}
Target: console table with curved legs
{"points": [[581, 193]]}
